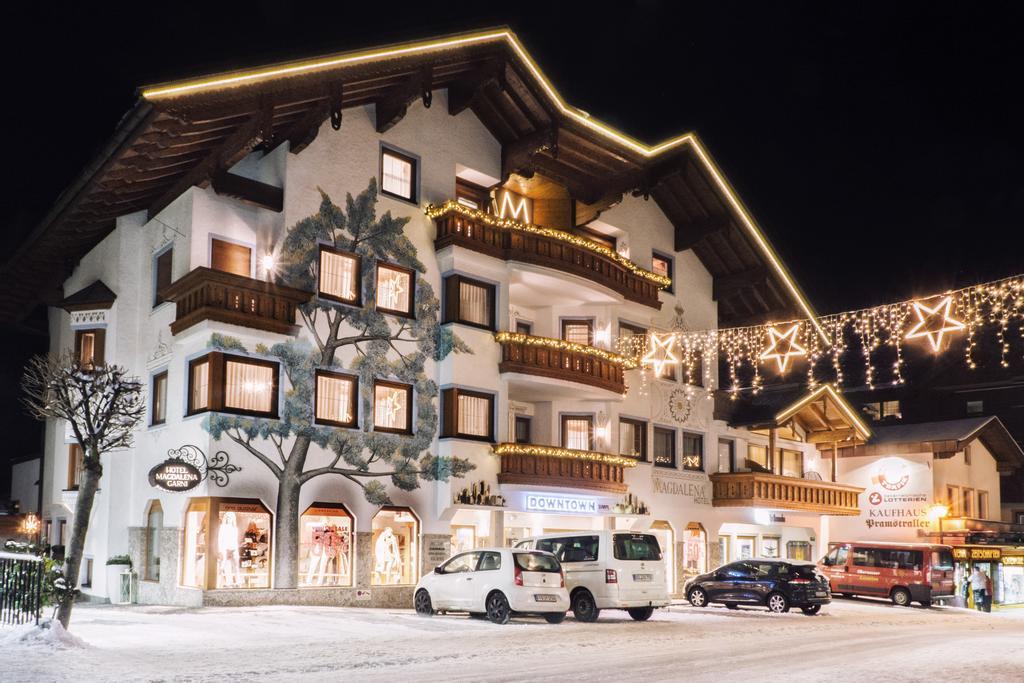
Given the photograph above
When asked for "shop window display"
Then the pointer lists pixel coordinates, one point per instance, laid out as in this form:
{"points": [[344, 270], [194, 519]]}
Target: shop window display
{"points": [[325, 546], [394, 542], [745, 547], [463, 538], [695, 545], [798, 550], [227, 544], [770, 546]]}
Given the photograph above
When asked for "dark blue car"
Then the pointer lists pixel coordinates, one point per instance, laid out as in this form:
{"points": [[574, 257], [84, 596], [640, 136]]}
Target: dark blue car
{"points": [[775, 584]]}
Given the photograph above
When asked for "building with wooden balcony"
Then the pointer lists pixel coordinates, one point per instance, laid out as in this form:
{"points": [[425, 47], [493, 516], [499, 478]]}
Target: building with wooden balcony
{"points": [[417, 274]]}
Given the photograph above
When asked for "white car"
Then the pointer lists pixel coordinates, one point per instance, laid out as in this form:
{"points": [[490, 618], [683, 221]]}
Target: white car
{"points": [[608, 570], [498, 582]]}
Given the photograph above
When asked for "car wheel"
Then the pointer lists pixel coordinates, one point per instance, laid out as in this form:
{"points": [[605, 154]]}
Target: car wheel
{"points": [[811, 610], [584, 608], [698, 598], [640, 613], [555, 617], [422, 603], [901, 597], [777, 603], [498, 610], [731, 605]]}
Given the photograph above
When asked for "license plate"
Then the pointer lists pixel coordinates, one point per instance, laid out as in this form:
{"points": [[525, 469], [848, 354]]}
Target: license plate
{"points": [[821, 594], [541, 597], [642, 577]]}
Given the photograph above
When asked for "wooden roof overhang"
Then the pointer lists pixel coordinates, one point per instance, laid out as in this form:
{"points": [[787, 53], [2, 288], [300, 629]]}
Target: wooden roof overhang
{"points": [[827, 418], [189, 133]]}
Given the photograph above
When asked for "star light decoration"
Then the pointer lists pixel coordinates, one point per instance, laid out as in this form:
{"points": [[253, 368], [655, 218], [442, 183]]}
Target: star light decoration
{"points": [[934, 322], [660, 352], [783, 347]]}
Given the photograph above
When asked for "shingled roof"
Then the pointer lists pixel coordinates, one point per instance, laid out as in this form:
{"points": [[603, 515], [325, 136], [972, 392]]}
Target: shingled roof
{"points": [[187, 133]]}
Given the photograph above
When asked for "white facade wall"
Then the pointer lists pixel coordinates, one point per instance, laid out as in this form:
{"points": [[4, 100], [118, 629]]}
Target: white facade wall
{"points": [[341, 163]]}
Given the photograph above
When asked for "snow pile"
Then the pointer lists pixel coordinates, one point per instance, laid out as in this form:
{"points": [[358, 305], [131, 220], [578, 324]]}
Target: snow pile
{"points": [[48, 634]]}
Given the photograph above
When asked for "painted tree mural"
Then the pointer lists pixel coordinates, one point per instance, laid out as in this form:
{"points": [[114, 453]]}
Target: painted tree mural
{"points": [[385, 347]]}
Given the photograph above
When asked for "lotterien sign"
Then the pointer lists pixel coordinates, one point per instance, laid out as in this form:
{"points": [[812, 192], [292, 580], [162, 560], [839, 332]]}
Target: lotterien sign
{"points": [[175, 476], [543, 502]]}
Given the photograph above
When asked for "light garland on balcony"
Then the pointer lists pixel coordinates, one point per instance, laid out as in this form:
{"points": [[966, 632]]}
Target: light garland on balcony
{"points": [[943, 321], [562, 345], [567, 453], [452, 206]]}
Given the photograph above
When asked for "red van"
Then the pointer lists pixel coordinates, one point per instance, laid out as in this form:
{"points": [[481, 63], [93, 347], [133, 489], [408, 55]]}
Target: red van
{"points": [[902, 572]]}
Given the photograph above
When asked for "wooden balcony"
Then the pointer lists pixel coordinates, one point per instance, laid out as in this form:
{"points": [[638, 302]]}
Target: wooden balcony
{"points": [[513, 241], [754, 489], [535, 465], [205, 294], [558, 359]]}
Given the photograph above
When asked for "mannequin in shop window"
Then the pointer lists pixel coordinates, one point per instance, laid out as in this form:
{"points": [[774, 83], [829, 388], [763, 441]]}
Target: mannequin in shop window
{"points": [[227, 551], [330, 547], [389, 560]]}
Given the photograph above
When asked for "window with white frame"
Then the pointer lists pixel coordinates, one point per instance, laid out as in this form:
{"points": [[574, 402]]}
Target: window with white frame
{"points": [[339, 275], [398, 174], [394, 289], [336, 398]]}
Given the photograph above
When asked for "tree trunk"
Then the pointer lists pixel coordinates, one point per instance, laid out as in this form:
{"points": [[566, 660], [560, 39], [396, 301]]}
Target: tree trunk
{"points": [[286, 523], [93, 470]]}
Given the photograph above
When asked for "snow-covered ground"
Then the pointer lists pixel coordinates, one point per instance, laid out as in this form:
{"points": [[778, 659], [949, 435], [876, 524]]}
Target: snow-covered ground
{"points": [[849, 640]]}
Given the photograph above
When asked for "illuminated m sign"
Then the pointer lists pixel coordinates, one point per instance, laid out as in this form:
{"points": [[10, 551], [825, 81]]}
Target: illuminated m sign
{"points": [[512, 206]]}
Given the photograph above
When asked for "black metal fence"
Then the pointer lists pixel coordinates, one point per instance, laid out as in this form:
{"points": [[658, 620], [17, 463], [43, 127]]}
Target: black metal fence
{"points": [[21, 587]]}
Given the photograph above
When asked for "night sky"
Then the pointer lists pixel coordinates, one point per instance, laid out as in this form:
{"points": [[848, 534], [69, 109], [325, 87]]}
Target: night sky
{"points": [[881, 148]]}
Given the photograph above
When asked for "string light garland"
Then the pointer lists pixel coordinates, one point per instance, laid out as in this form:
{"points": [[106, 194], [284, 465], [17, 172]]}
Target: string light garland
{"points": [[451, 206], [877, 335], [556, 452], [547, 342]]}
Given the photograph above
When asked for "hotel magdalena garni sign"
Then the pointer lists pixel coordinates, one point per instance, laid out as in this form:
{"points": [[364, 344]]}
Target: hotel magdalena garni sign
{"points": [[175, 476]]}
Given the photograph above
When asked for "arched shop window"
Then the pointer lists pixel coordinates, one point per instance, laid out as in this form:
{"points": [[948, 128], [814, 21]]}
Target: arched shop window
{"points": [[395, 547], [326, 541], [227, 544], [662, 530], [695, 549], [154, 524]]}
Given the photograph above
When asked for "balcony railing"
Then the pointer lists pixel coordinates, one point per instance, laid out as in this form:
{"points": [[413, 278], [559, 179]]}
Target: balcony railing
{"points": [[514, 241], [559, 359], [755, 489], [206, 294], [535, 465]]}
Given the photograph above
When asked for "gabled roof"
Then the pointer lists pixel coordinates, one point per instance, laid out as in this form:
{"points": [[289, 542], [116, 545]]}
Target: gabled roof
{"points": [[94, 296], [946, 437], [188, 132], [823, 412]]}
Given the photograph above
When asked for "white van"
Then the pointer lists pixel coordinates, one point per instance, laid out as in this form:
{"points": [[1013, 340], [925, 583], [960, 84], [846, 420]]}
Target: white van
{"points": [[608, 570]]}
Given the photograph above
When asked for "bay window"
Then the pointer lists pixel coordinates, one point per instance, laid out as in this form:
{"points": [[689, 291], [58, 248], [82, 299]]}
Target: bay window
{"points": [[467, 414], [336, 398], [578, 432], [394, 289], [339, 276], [392, 403], [233, 384], [470, 302]]}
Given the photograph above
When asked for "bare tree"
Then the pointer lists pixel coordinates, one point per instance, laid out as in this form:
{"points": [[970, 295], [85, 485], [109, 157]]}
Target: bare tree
{"points": [[103, 406]]}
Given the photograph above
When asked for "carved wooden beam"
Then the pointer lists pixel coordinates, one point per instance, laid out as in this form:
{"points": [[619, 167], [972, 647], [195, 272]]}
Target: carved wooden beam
{"points": [[391, 108], [518, 157], [689, 234], [726, 285], [240, 143], [248, 191], [464, 92]]}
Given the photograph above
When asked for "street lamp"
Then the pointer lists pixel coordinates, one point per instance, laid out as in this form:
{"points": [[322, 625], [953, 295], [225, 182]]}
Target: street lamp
{"points": [[938, 512]]}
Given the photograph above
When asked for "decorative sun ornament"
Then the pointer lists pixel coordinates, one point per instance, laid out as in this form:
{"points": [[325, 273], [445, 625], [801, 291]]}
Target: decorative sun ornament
{"points": [[783, 347], [933, 324], [660, 353]]}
